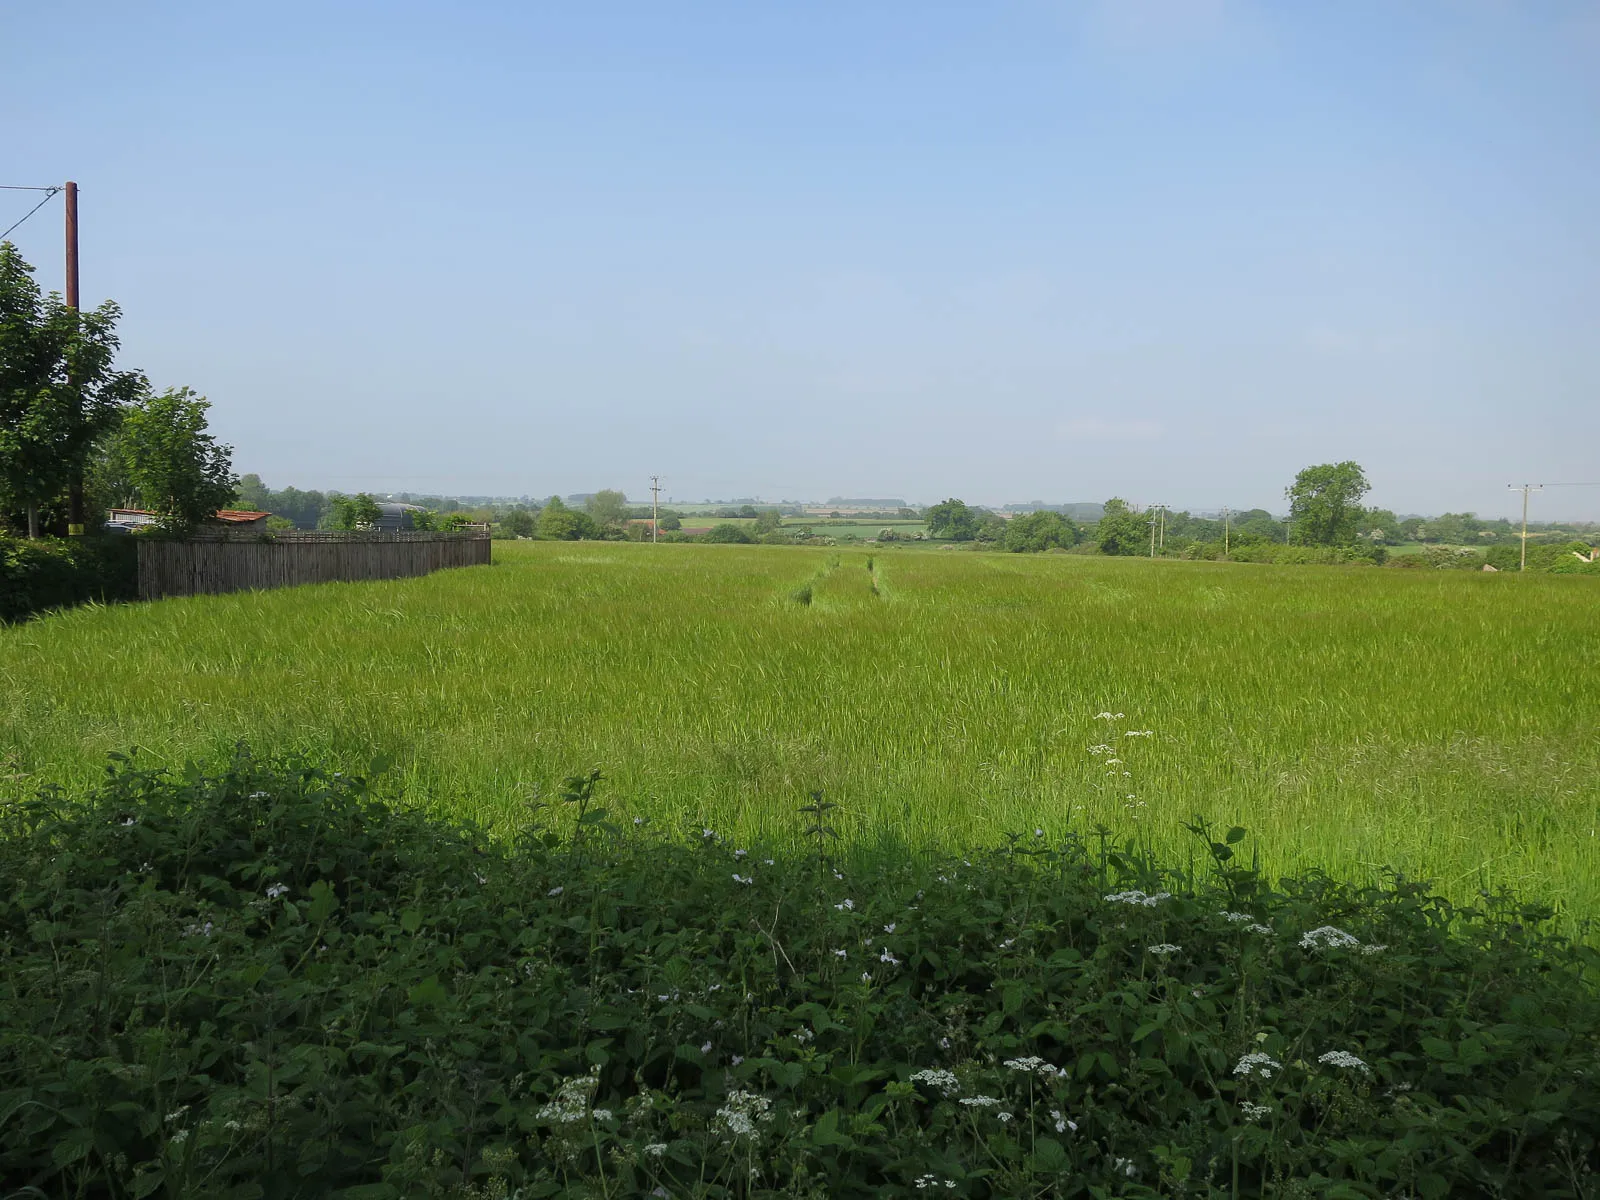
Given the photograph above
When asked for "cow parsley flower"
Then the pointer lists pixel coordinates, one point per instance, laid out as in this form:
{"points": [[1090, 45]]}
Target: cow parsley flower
{"points": [[1139, 898], [655, 1149], [1257, 1063], [1343, 1058], [1163, 949], [1327, 935], [743, 1115], [1030, 1065], [980, 1101], [933, 1181], [555, 891], [1254, 1112], [935, 1077]]}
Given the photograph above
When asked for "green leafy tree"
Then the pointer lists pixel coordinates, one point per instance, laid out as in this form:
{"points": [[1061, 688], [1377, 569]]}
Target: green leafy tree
{"points": [[1121, 530], [180, 472], [607, 507], [951, 519], [519, 523], [769, 520], [1036, 531], [1325, 504], [671, 522], [991, 528], [360, 511], [558, 523], [59, 393], [727, 532]]}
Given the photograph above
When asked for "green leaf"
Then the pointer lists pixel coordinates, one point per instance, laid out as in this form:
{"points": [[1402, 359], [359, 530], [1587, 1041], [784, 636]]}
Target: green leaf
{"points": [[430, 993], [323, 901], [71, 1146], [1438, 1049], [1235, 835], [826, 1131], [146, 1182], [410, 920], [380, 763]]}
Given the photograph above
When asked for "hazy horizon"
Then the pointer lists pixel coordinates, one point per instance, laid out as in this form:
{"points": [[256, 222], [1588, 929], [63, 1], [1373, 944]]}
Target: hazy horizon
{"points": [[1172, 250]]}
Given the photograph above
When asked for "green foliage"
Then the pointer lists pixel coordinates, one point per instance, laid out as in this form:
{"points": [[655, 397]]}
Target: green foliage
{"points": [[607, 507], [671, 522], [1036, 531], [1120, 530], [265, 981], [950, 519], [727, 532], [360, 511], [558, 523], [1325, 504], [58, 390], [47, 573], [178, 470], [519, 524], [768, 520], [306, 510]]}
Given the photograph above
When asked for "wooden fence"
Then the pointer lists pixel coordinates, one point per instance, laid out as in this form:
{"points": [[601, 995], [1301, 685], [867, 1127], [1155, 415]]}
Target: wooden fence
{"points": [[239, 562]]}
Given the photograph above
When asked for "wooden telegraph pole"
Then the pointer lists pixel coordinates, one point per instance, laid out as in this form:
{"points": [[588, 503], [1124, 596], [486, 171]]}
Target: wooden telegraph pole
{"points": [[1525, 489], [75, 480]]}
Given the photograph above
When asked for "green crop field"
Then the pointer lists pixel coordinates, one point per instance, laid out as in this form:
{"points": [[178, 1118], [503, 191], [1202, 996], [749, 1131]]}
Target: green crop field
{"points": [[1441, 722]]}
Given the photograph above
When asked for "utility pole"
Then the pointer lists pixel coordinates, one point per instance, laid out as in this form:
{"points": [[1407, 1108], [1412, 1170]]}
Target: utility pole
{"points": [[1227, 514], [655, 506], [1158, 511], [75, 480], [1525, 489]]}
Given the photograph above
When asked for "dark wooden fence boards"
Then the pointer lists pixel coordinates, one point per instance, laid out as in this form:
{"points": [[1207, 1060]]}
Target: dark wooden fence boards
{"points": [[207, 565]]}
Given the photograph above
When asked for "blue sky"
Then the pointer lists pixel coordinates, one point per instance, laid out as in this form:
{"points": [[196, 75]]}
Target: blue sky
{"points": [[1172, 250]]}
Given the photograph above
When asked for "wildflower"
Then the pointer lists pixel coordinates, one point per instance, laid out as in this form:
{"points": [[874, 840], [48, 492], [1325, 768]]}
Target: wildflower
{"points": [[555, 891], [1163, 949], [736, 1060], [740, 853], [1257, 1063], [866, 977], [1102, 748], [841, 954], [707, 833], [1139, 733], [803, 1035], [1139, 898], [1374, 948], [768, 861], [705, 1048], [129, 821], [889, 928], [1125, 1165], [1343, 1058], [482, 879], [1003, 1117], [1061, 1122], [742, 1115], [177, 1114], [935, 1077], [1105, 716], [747, 880], [276, 890], [944, 1043], [1008, 943], [933, 1181], [1029, 1065], [1038, 833], [980, 1101], [640, 821], [198, 930], [180, 1137], [571, 1102], [886, 957], [1327, 935], [846, 906], [258, 795], [1254, 1112], [601, 1114], [655, 1149]]}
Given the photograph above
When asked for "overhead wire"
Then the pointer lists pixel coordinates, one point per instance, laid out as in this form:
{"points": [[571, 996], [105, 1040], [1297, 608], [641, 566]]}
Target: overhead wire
{"points": [[49, 193]]}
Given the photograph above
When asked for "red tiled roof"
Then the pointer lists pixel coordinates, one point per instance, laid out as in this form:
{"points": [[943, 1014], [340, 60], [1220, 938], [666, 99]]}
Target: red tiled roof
{"points": [[231, 515]]}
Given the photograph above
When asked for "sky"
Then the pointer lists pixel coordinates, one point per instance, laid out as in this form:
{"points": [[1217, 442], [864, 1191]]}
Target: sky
{"points": [[1170, 250]]}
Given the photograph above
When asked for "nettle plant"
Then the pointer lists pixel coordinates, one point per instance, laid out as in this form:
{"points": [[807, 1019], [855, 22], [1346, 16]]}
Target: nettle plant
{"points": [[275, 980]]}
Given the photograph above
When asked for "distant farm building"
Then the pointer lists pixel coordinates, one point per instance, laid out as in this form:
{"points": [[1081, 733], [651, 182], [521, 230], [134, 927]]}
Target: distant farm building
{"points": [[396, 517], [126, 520]]}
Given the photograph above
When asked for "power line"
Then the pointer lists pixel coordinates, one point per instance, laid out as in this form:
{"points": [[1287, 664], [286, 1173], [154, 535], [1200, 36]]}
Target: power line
{"points": [[49, 192]]}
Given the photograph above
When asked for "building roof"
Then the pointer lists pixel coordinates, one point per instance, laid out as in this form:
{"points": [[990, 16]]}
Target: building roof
{"points": [[230, 516]]}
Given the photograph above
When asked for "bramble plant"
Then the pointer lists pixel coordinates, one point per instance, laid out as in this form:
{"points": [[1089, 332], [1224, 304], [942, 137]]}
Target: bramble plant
{"points": [[274, 980]]}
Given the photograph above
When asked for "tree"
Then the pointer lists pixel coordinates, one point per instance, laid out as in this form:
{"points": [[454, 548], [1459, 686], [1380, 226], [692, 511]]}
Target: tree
{"points": [[727, 532], [178, 470], [519, 523], [1036, 531], [607, 507], [558, 523], [769, 520], [951, 519], [1325, 504], [991, 527], [58, 391], [670, 522], [360, 511], [1121, 530]]}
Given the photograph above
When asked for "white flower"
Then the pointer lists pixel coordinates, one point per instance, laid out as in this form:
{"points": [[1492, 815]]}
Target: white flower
{"points": [[705, 1048], [1102, 748], [1254, 1112], [1038, 833], [1327, 935], [1163, 949], [935, 1077], [276, 890], [841, 954], [944, 1043], [889, 928], [1343, 1058], [707, 833], [804, 1034], [602, 1114], [1062, 1124], [180, 1137], [866, 977], [736, 1060], [129, 821], [1374, 948], [640, 821], [768, 861], [571, 1102], [1003, 1117], [1255, 927], [740, 853], [933, 1181], [742, 1115], [886, 957], [846, 906], [1138, 897], [1125, 1165], [1138, 733], [747, 880], [555, 891], [258, 795], [655, 1149], [177, 1114], [980, 1101], [1105, 716], [1030, 1065], [1257, 1064], [1008, 943]]}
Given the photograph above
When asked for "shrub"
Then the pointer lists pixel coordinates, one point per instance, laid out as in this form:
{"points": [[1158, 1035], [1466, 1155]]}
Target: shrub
{"points": [[57, 573], [265, 981], [727, 532]]}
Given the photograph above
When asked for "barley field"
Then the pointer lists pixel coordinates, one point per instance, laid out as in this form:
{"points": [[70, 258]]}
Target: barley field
{"points": [[1443, 723]]}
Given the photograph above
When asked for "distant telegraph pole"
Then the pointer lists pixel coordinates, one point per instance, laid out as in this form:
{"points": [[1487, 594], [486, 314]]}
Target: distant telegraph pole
{"points": [[75, 480], [655, 506], [1227, 514], [1525, 488], [1158, 512]]}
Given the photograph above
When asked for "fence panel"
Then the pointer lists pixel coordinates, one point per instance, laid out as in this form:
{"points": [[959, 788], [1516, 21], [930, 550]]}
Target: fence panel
{"points": [[209, 565]]}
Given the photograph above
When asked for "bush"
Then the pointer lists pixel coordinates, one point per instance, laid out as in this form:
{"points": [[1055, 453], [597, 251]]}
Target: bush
{"points": [[727, 532], [265, 981], [48, 573]]}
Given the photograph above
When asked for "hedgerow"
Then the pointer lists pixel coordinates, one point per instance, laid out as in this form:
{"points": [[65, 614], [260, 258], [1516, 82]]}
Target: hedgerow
{"points": [[271, 980], [49, 573]]}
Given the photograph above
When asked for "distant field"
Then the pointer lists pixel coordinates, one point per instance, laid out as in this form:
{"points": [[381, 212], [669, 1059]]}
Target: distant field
{"points": [[1442, 722]]}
